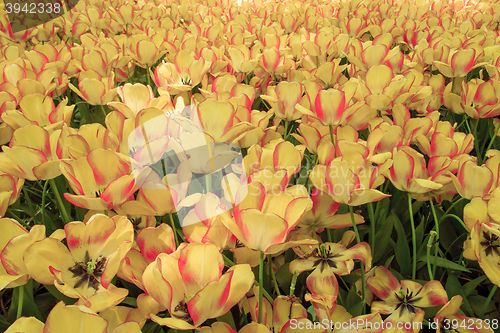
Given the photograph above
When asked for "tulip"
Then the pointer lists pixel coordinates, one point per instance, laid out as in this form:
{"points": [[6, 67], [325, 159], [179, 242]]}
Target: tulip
{"points": [[86, 267], [39, 110], [403, 301], [483, 245], [73, 318], [380, 87], [190, 284], [145, 50], [186, 72], [458, 63], [326, 261], [240, 58], [323, 214], [329, 107], [472, 180], [138, 97], [100, 180], [34, 153], [408, 172], [95, 89], [478, 99], [263, 219], [151, 241], [14, 241], [350, 179], [448, 314], [283, 99], [10, 190]]}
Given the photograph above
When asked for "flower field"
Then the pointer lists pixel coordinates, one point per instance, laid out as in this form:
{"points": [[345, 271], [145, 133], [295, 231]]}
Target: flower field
{"points": [[223, 166]]}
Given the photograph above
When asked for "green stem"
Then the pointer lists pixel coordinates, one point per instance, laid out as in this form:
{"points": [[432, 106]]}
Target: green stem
{"points": [[456, 218], [430, 243], [287, 123], [149, 79], [103, 111], [208, 182], [413, 239], [331, 134], [20, 301], [261, 287], [492, 139], [271, 273], [64, 213], [43, 201], [372, 225], [30, 204], [358, 239], [476, 142], [488, 300], [174, 229], [451, 207], [294, 282], [436, 249], [329, 235]]}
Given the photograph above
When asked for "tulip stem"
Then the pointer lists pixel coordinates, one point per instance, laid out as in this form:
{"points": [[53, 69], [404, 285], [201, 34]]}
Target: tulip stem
{"points": [[436, 249], [261, 286], [20, 301], [44, 191], [271, 273], [429, 246], [64, 213], [174, 229], [103, 111], [451, 207], [331, 134], [149, 79], [476, 143], [492, 139], [287, 123], [358, 239], [488, 300], [413, 239], [372, 224], [30, 205], [294, 282]]}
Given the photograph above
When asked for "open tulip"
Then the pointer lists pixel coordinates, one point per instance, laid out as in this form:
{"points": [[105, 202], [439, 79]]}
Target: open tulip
{"points": [[408, 172], [448, 314], [100, 180], [13, 242], [326, 261], [263, 219], [94, 88], [472, 180], [190, 284], [403, 301], [483, 245], [86, 267], [283, 99], [72, 318], [10, 189]]}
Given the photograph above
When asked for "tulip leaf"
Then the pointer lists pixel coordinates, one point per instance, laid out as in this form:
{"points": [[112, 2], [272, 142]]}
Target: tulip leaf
{"points": [[228, 319], [442, 262], [402, 249], [354, 303], [60, 296], [470, 286], [454, 288], [382, 238]]}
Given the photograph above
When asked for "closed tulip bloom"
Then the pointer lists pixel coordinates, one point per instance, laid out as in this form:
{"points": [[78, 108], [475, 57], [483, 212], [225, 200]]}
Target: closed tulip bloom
{"points": [[472, 180]]}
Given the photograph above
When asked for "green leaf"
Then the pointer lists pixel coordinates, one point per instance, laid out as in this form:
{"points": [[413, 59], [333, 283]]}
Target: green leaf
{"points": [[470, 286], [441, 262], [382, 238], [402, 248], [311, 311], [228, 319], [454, 288], [60, 296], [354, 303]]}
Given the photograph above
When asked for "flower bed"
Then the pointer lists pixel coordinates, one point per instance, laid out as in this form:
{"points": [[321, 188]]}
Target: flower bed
{"points": [[253, 167]]}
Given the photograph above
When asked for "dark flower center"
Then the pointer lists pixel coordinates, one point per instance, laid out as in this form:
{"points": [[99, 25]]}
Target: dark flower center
{"points": [[406, 301], [492, 243], [325, 258], [88, 271]]}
